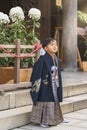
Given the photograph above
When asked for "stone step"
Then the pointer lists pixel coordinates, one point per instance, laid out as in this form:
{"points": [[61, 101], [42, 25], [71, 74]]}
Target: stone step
{"points": [[74, 103], [20, 116], [74, 89], [68, 90], [15, 99], [68, 105], [13, 118], [15, 111]]}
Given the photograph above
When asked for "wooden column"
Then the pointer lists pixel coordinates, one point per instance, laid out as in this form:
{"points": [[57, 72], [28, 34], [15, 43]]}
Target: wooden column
{"points": [[17, 62], [69, 37]]}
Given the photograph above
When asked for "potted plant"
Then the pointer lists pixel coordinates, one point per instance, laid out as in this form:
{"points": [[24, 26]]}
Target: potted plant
{"points": [[82, 17], [85, 41], [25, 30]]}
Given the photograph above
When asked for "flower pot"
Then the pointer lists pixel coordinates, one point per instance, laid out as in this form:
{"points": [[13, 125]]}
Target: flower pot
{"points": [[84, 66], [7, 75]]}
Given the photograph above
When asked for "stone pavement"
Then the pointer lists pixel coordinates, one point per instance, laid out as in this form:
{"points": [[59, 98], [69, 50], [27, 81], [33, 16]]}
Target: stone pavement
{"points": [[70, 78], [77, 121]]}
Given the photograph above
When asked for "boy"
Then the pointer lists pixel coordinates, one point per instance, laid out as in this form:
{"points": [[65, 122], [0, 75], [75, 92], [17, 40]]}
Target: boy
{"points": [[46, 89]]}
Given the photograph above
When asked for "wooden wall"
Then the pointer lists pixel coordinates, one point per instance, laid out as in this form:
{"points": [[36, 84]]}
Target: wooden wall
{"points": [[5, 6]]}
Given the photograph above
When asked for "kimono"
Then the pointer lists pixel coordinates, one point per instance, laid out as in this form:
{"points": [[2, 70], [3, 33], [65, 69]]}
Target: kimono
{"points": [[45, 92]]}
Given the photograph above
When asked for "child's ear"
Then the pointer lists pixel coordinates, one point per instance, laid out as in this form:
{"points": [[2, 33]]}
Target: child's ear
{"points": [[45, 48]]}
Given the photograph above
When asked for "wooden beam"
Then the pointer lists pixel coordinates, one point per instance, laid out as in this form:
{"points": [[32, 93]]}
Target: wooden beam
{"points": [[3, 55], [21, 46]]}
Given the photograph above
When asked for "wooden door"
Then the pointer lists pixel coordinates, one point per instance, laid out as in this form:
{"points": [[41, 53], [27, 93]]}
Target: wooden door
{"points": [[45, 7], [5, 6]]}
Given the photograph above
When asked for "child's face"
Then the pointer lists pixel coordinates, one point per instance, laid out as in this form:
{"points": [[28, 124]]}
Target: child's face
{"points": [[52, 47]]}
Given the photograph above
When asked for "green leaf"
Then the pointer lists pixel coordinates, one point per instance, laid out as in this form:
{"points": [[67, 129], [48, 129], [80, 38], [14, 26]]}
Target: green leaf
{"points": [[37, 24]]}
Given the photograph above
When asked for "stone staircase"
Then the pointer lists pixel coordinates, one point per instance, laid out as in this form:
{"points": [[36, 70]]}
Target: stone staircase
{"points": [[75, 97], [15, 107]]}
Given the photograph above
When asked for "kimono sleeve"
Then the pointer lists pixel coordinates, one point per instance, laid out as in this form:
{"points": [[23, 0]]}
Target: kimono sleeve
{"points": [[36, 80], [60, 95]]}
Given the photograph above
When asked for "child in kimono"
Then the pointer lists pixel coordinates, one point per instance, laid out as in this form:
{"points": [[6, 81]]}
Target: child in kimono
{"points": [[46, 91]]}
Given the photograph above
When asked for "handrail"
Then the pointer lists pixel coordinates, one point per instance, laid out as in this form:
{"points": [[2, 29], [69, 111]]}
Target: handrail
{"points": [[21, 46], [17, 55]]}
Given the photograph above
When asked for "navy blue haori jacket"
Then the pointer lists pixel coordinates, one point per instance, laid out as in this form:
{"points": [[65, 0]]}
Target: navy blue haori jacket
{"points": [[41, 80]]}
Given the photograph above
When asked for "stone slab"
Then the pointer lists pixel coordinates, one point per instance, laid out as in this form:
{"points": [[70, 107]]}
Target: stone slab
{"points": [[15, 112], [58, 127], [82, 124], [12, 122], [66, 106], [74, 89], [4, 102], [76, 115]]}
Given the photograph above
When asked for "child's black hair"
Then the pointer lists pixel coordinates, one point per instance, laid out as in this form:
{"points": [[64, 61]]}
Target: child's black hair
{"points": [[46, 42]]}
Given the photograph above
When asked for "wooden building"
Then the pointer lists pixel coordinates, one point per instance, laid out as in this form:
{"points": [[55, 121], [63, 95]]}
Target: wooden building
{"points": [[51, 17], [15, 101]]}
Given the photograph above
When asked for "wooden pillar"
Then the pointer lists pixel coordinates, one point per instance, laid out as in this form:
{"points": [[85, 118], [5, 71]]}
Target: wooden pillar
{"points": [[69, 36], [17, 62]]}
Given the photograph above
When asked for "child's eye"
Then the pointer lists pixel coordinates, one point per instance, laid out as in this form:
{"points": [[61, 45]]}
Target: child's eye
{"points": [[51, 44]]}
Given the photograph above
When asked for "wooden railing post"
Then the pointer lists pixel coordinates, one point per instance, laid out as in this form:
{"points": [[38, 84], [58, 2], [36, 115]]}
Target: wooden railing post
{"points": [[17, 62]]}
